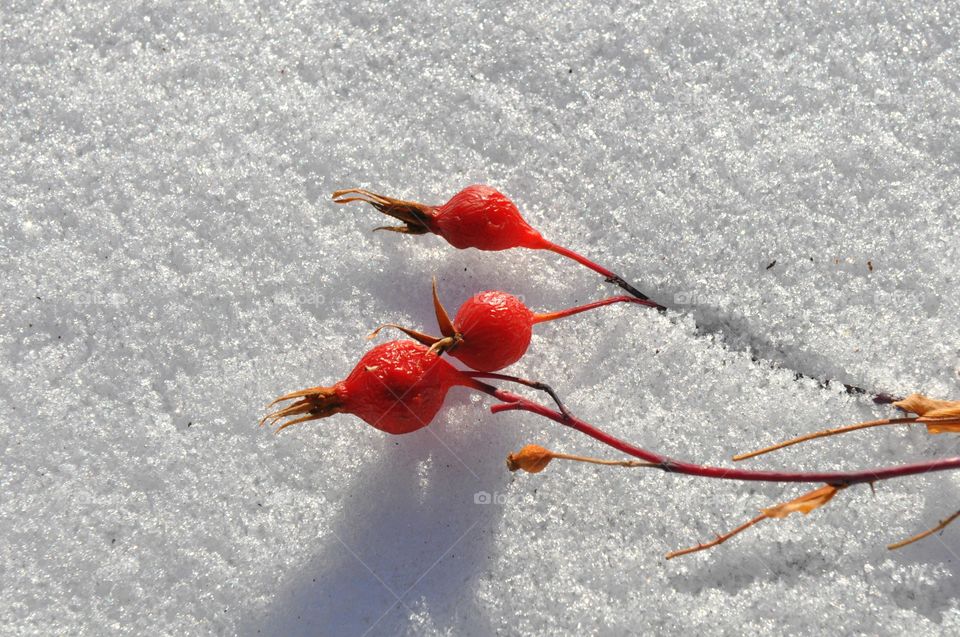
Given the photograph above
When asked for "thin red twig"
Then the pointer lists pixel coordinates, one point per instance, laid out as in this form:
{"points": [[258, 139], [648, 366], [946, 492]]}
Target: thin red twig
{"points": [[515, 402]]}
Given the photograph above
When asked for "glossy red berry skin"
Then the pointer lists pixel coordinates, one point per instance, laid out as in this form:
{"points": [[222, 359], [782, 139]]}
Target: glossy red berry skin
{"points": [[480, 217], [496, 329], [397, 387]]}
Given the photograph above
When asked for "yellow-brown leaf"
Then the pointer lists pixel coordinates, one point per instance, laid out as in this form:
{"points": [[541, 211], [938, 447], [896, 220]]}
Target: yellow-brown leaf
{"points": [[805, 503], [924, 406]]}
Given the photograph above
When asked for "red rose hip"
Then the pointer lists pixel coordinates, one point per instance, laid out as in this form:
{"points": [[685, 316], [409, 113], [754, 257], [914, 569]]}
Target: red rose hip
{"points": [[492, 329], [476, 217], [495, 328], [397, 387]]}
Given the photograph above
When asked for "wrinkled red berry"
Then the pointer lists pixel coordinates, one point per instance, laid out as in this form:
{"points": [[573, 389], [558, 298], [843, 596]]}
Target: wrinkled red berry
{"points": [[492, 329], [397, 387], [495, 328]]}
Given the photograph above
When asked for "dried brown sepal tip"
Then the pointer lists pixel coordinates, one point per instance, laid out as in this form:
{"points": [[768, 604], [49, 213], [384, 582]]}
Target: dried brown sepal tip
{"points": [[314, 403], [415, 216], [804, 504], [532, 459], [420, 337], [940, 416], [451, 338]]}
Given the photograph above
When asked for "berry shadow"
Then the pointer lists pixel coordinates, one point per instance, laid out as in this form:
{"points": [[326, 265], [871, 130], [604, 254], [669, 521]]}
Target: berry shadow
{"points": [[418, 524]]}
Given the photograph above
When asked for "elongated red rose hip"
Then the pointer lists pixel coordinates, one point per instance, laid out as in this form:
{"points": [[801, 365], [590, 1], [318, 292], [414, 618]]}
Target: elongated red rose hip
{"points": [[476, 217], [397, 387], [492, 329], [483, 218]]}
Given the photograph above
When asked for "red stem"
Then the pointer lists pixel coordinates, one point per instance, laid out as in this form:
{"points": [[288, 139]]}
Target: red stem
{"points": [[552, 316], [579, 258], [513, 401], [602, 271], [513, 379]]}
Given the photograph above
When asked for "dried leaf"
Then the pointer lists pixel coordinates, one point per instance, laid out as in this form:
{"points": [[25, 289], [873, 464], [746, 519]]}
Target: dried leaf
{"points": [[943, 427], [946, 420], [805, 503], [940, 416], [950, 412], [923, 406]]}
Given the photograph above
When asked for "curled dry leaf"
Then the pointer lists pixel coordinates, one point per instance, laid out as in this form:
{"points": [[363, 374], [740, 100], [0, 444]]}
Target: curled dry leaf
{"points": [[940, 416], [805, 503]]}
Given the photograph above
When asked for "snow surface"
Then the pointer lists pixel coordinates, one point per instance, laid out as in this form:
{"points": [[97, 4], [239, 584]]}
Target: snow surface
{"points": [[172, 261]]}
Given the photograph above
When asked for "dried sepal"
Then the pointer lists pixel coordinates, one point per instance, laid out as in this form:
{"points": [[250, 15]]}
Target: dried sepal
{"points": [[314, 403], [921, 405], [420, 337], [416, 217], [443, 318], [943, 420], [935, 427]]}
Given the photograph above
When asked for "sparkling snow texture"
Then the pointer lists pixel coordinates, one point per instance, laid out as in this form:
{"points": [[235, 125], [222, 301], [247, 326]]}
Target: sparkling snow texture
{"points": [[172, 261]]}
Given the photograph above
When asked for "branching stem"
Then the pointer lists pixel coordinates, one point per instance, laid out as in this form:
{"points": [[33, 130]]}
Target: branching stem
{"points": [[515, 402]]}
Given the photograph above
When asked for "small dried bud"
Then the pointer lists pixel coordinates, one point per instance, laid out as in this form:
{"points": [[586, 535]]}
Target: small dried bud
{"points": [[532, 459]]}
